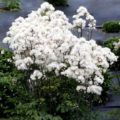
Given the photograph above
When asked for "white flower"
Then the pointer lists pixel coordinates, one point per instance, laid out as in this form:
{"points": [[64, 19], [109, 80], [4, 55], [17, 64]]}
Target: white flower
{"points": [[82, 9], [83, 19], [2, 52], [36, 75], [80, 23], [94, 89], [9, 60], [99, 79], [81, 88]]}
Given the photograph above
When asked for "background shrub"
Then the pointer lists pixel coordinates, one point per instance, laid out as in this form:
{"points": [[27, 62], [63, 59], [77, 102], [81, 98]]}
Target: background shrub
{"points": [[12, 5], [110, 43], [58, 2], [111, 26]]}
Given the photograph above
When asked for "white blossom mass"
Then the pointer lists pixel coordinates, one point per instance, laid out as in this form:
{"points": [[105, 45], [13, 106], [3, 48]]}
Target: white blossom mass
{"points": [[45, 39]]}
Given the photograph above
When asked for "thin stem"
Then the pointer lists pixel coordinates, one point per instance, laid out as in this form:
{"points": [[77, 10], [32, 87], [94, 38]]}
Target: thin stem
{"points": [[91, 33], [118, 78], [81, 32], [50, 94]]}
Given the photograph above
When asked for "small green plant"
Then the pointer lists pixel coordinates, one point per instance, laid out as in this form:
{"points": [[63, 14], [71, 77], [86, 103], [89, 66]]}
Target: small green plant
{"points": [[58, 2], [111, 27], [12, 5]]}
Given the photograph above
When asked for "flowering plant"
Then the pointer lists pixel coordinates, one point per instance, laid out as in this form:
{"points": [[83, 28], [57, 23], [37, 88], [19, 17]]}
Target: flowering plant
{"points": [[84, 19], [43, 42]]}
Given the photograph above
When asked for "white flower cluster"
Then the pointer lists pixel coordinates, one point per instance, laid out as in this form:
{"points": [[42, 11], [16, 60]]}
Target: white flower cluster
{"points": [[83, 18], [36, 75], [45, 39]]}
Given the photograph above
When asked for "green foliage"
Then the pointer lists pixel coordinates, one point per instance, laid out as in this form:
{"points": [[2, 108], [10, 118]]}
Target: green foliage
{"points": [[111, 27], [10, 89], [107, 87], [12, 5], [10, 95], [60, 96], [116, 90], [61, 99], [92, 116], [114, 114], [110, 43], [58, 2], [30, 111], [4, 56]]}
